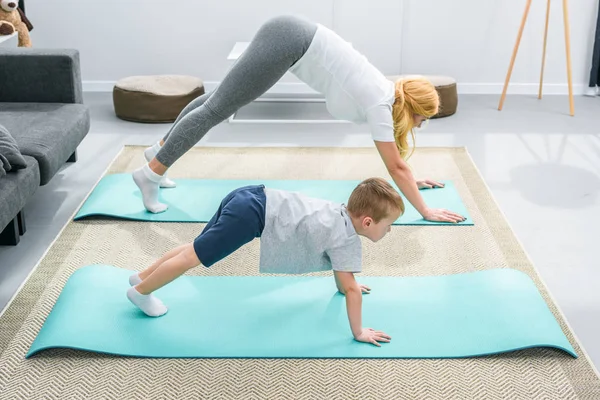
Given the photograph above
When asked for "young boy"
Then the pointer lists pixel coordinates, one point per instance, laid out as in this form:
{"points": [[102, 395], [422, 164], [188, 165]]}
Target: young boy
{"points": [[298, 234]]}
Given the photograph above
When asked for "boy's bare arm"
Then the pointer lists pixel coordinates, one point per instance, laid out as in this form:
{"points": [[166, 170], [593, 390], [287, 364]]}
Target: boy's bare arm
{"points": [[363, 288], [348, 286], [337, 283]]}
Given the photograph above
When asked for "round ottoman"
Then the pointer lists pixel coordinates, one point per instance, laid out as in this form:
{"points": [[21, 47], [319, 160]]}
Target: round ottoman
{"points": [[446, 88], [154, 98]]}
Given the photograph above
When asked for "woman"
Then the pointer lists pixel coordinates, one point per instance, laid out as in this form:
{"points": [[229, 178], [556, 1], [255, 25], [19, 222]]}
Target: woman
{"points": [[354, 90]]}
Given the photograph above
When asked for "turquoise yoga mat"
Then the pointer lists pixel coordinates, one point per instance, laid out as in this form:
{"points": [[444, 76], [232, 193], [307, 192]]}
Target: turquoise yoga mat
{"points": [[196, 200], [451, 316]]}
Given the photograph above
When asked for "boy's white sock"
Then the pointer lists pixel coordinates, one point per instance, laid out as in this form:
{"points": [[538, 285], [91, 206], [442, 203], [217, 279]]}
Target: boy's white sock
{"points": [[147, 180], [149, 154], [148, 303], [135, 279]]}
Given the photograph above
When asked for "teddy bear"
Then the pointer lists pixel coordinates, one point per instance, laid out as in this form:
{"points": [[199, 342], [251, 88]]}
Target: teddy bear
{"points": [[13, 19]]}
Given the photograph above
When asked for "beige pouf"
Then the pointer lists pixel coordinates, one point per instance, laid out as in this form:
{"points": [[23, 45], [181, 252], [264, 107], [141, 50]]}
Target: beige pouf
{"points": [[446, 88], [154, 98]]}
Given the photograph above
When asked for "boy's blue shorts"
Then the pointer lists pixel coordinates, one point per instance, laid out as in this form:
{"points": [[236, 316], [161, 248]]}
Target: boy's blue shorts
{"points": [[239, 219]]}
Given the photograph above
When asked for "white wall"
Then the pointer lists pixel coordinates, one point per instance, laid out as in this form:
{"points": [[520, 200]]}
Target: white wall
{"points": [[471, 40]]}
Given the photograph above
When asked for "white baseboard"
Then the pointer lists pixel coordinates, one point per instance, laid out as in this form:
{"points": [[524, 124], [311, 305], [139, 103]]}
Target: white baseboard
{"points": [[98, 86], [520, 88], [292, 88]]}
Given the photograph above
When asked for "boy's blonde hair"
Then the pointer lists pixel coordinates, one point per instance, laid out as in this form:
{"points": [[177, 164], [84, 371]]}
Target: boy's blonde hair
{"points": [[414, 95], [375, 198]]}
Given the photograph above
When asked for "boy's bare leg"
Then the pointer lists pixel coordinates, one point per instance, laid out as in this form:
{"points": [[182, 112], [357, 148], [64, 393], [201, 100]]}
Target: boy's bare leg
{"points": [[167, 256], [169, 270], [139, 277]]}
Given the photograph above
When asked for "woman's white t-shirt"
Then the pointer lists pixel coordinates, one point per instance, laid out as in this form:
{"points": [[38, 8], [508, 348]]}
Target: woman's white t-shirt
{"points": [[354, 89]]}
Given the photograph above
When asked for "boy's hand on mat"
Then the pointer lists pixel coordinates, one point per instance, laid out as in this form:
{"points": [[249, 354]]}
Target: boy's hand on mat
{"points": [[369, 335], [364, 288], [441, 215], [429, 184]]}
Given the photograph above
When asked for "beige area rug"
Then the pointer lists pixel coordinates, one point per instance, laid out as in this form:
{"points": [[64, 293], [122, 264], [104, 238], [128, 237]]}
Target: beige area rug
{"points": [[416, 250]]}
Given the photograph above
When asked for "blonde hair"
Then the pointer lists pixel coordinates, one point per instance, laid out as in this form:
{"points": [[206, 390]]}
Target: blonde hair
{"points": [[414, 95], [375, 198]]}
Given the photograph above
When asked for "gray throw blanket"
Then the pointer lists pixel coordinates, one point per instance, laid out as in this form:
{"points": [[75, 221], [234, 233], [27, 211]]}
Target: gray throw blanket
{"points": [[11, 158], [2, 163]]}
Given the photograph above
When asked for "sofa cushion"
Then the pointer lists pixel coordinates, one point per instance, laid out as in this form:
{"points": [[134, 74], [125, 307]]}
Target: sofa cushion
{"points": [[11, 158], [49, 132], [16, 188]]}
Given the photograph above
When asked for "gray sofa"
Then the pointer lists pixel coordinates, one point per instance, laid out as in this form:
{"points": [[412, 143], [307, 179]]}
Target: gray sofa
{"points": [[41, 105]]}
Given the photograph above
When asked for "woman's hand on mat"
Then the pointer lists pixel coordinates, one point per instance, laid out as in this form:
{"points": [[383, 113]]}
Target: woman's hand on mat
{"points": [[364, 288], [369, 335], [429, 184], [441, 215]]}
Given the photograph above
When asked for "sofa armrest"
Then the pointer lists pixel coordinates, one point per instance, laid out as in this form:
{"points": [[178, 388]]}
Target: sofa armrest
{"points": [[40, 76]]}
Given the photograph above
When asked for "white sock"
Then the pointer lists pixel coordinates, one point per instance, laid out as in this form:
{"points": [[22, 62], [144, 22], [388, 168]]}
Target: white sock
{"points": [[151, 151], [149, 154], [592, 91], [148, 303], [135, 279], [147, 180]]}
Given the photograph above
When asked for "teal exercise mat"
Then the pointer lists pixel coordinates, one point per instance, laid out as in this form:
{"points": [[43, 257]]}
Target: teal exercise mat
{"points": [[450, 316], [196, 200]]}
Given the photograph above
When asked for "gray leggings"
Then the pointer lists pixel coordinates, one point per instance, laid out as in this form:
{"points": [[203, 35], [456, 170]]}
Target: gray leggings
{"points": [[277, 46]]}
